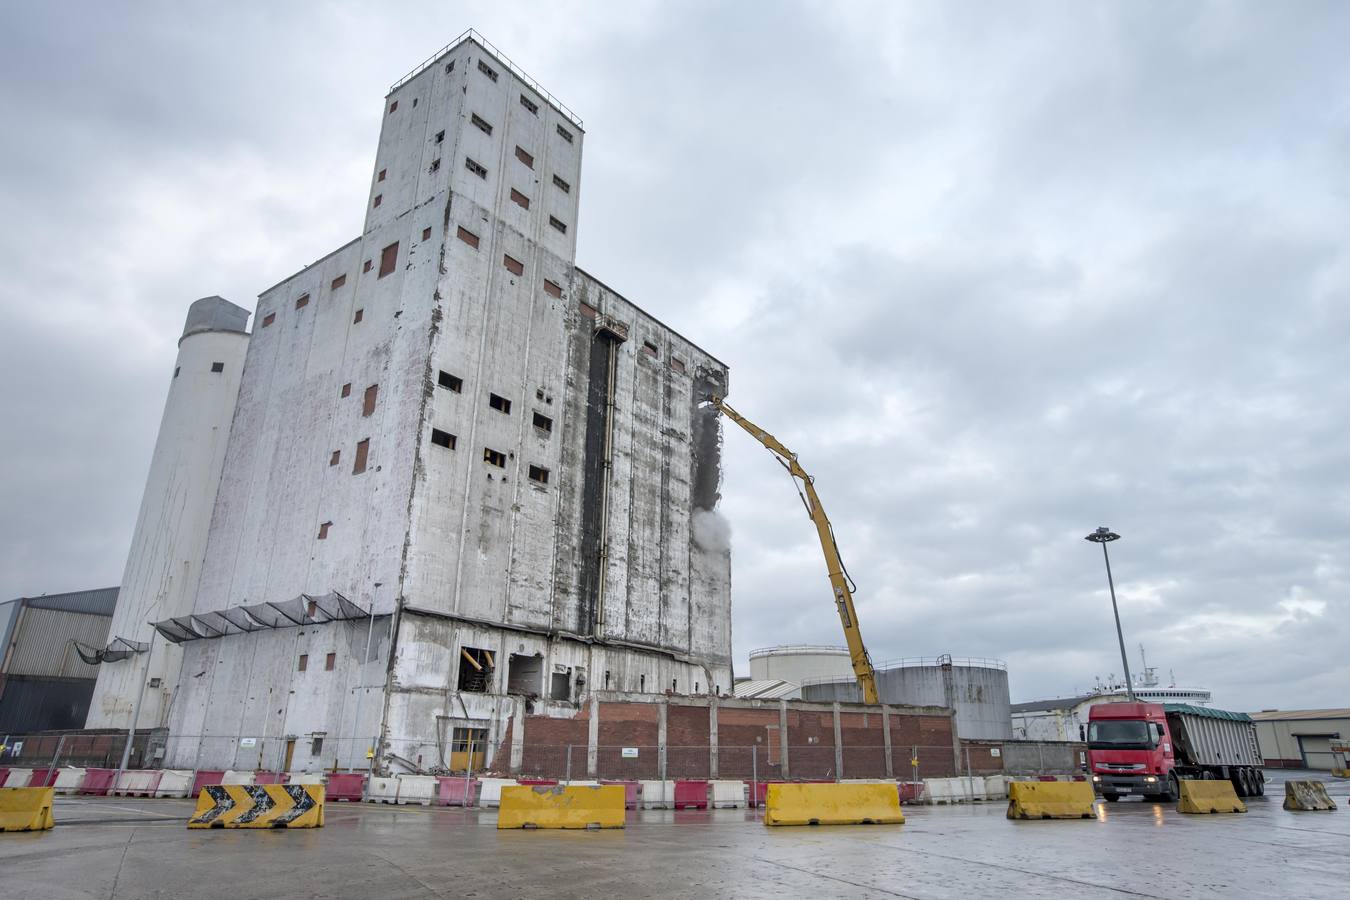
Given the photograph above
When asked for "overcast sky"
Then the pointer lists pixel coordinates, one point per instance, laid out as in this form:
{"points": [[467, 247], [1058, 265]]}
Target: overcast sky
{"points": [[999, 273]]}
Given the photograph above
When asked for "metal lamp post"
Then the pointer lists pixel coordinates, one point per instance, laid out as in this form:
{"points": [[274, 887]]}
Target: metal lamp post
{"points": [[1104, 536]]}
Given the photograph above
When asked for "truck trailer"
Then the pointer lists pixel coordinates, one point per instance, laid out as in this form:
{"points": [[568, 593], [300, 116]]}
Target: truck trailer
{"points": [[1147, 748]]}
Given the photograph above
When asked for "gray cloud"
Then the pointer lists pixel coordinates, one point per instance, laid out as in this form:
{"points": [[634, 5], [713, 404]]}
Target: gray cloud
{"points": [[999, 275]]}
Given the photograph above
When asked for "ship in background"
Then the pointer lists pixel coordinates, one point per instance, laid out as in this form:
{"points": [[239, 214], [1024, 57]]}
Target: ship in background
{"points": [[1065, 718]]}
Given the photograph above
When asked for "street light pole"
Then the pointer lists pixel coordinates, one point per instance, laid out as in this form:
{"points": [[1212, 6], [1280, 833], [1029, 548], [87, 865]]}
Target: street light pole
{"points": [[1103, 536]]}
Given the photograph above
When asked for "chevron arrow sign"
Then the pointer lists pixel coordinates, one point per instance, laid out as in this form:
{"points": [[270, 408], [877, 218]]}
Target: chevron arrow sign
{"points": [[259, 806]]}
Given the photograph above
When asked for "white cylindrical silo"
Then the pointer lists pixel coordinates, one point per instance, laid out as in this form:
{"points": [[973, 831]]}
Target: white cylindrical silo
{"points": [[169, 542]]}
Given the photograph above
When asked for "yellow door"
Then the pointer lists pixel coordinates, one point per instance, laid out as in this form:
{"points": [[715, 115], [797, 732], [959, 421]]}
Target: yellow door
{"points": [[290, 752]]}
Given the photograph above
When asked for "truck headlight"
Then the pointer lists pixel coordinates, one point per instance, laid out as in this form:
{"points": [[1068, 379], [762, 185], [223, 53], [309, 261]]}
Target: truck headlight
{"points": [[1151, 780], [1096, 778]]}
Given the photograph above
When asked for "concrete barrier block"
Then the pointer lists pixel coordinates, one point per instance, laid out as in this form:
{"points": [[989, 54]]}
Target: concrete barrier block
{"points": [[996, 787], [943, 790], [174, 783], [307, 778], [1051, 800], [657, 794], [349, 786], [455, 790], [691, 795], [417, 790], [727, 794], [259, 806], [69, 780], [26, 809], [382, 790], [1307, 795], [97, 782], [1209, 797], [236, 777], [833, 804], [490, 791], [973, 787], [630, 792], [574, 806]]}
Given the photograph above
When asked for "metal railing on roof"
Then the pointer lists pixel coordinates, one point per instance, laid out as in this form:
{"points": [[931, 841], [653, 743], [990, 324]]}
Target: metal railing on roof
{"points": [[472, 35], [915, 662]]}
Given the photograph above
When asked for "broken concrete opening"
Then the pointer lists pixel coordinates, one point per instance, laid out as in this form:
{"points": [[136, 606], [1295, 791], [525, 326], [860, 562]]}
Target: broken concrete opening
{"points": [[475, 669], [561, 686], [523, 674]]}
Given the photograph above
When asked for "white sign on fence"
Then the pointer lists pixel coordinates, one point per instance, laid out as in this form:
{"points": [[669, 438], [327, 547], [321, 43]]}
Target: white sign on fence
{"points": [[630, 752], [995, 751], [248, 742]]}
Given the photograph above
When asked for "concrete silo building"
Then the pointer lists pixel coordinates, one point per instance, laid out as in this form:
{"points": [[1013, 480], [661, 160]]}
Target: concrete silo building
{"points": [[465, 480], [164, 566]]}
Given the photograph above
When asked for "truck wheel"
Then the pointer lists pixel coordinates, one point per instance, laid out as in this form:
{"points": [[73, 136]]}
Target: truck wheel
{"points": [[1239, 780], [1110, 798], [1259, 779], [1173, 788]]}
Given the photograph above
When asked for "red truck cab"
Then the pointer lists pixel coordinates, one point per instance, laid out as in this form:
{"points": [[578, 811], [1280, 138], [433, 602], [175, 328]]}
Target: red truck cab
{"points": [[1131, 751]]}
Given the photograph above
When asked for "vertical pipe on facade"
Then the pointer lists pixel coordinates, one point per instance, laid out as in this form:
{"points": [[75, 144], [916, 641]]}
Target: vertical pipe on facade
{"points": [[604, 488]]}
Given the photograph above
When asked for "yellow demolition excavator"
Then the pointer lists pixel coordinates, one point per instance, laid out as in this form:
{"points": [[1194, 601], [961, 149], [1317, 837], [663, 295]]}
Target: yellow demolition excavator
{"points": [[839, 578]]}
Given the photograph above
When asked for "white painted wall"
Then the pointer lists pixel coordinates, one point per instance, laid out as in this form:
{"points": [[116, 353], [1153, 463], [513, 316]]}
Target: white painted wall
{"points": [[167, 547]]}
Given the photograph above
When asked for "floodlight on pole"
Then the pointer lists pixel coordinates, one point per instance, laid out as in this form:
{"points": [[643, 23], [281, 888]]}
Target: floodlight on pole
{"points": [[1104, 536]]}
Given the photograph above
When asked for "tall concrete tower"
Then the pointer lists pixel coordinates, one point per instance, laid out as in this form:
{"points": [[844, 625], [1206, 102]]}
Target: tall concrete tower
{"points": [[165, 562]]}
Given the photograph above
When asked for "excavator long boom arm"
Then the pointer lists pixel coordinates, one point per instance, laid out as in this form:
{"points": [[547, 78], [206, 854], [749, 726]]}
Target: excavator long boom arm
{"points": [[839, 580]]}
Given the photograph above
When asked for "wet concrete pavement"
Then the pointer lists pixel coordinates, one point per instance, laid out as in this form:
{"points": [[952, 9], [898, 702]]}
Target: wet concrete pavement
{"points": [[118, 847]]}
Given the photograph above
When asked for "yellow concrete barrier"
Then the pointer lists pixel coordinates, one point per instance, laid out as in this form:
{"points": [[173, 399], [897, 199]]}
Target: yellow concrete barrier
{"points": [[1209, 797], [572, 806], [26, 809], [833, 804], [1307, 795], [259, 806], [1051, 800]]}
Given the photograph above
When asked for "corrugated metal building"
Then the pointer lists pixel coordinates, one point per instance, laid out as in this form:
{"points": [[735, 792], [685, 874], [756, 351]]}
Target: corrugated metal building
{"points": [[44, 684], [1301, 738]]}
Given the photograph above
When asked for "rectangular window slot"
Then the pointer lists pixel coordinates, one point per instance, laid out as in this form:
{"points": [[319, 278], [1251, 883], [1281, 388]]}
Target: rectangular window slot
{"points": [[539, 474], [475, 168], [520, 199], [176, 370], [362, 454], [435, 165], [380, 177], [529, 104], [513, 265], [302, 301], [560, 687], [323, 530], [489, 72], [650, 349], [564, 134], [426, 234], [475, 669], [443, 439], [347, 389], [366, 266], [393, 107], [315, 746], [543, 422], [333, 460], [302, 663], [552, 288], [217, 367], [338, 282], [524, 157], [480, 123], [450, 67], [450, 382], [494, 457], [587, 310], [467, 237], [677, 364], [368, 401], [523, 674], [388, 259], [440, 137], [330, 662], [379, 198], [557, 223], [269, 319], [562, 185], [358, 316], [499, 403]]}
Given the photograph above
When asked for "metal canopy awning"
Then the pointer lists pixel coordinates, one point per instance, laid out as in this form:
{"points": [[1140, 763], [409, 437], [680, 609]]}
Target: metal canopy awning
{"points": [[118, 649], [306, 609]]}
